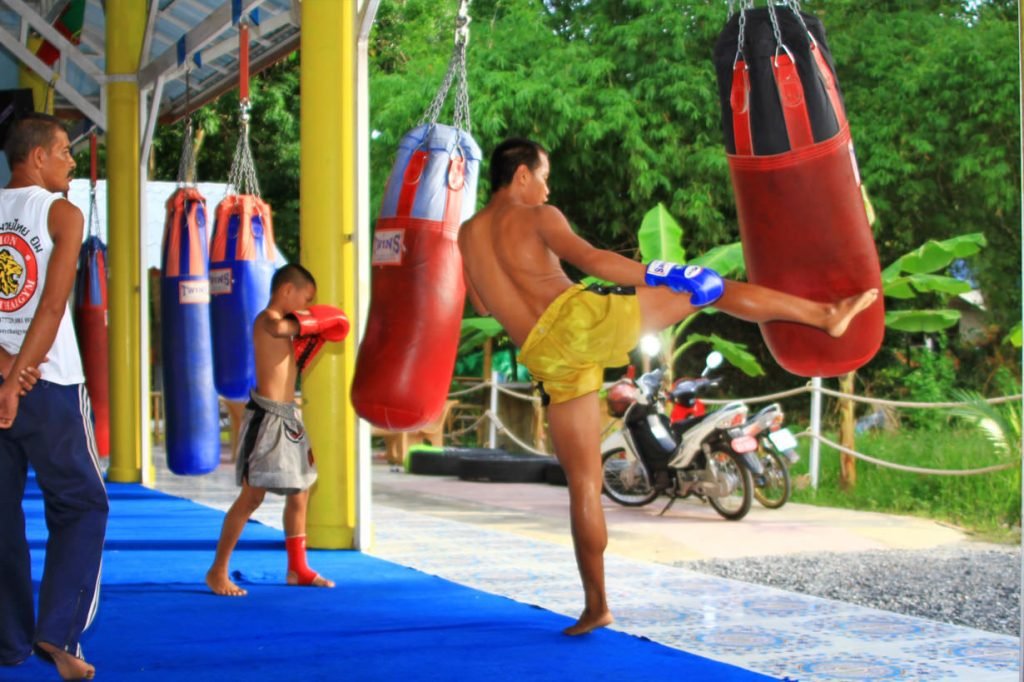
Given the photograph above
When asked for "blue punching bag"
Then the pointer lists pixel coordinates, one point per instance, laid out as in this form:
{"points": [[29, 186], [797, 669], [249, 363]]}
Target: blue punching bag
{"points": [[190, 401], [242, 255]]}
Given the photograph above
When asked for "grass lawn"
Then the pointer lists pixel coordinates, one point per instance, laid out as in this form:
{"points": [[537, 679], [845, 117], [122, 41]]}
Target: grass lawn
{"points": [[988, 505]]}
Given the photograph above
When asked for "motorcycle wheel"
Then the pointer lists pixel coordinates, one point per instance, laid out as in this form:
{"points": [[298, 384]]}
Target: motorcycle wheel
{"points": [[777, 484], [735, 505], [626, 480]]}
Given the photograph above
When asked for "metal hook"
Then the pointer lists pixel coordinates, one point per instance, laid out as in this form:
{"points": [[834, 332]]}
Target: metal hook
{"points": [[462, 20]]}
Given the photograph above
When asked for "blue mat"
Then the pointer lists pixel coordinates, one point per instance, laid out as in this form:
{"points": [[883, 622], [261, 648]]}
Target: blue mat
{"points": [[157, 620]]}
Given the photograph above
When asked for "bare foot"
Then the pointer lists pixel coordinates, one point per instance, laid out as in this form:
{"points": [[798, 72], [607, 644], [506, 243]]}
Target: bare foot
{"points": [[220, 583], [317, 580], [68, 667], [588, 622], [844, 311]]}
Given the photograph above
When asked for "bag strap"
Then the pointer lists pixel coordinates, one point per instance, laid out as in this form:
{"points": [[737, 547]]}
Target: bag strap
{"points": [[790, 89], [739, 102]]}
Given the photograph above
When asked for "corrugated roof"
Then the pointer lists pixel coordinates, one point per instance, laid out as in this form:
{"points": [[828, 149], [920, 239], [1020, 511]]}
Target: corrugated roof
{"points": [[200, 36]]}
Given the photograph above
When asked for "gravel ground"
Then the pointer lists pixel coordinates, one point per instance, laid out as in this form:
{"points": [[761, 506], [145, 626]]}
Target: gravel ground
{"points": [[976, 585]]}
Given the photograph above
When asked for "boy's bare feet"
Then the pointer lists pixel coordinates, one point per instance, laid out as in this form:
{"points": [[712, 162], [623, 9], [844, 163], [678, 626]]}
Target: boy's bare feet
{"points": [[317, 580], [589, 622], [845, 310], [219, 583], [68, 667]]}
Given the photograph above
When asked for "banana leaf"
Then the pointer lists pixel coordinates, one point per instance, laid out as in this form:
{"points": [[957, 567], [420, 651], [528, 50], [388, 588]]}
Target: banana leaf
{"points": [[921, 320], [726, 260], [735, 353], [909, 286], [660, 237], [935, 255]]}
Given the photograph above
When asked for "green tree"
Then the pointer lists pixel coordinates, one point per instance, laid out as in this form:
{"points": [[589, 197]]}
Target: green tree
{"points": [[273, 136]]}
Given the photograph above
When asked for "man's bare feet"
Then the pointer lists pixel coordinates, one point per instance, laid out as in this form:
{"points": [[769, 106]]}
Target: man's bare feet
{"points": [[317, 580], [68, 667], [219, 583], [844, 311], [589, 622]]}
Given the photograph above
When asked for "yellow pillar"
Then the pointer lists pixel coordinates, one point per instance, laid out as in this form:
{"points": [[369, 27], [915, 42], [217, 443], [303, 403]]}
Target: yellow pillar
{"points": [[327, 192], [126, 24]]}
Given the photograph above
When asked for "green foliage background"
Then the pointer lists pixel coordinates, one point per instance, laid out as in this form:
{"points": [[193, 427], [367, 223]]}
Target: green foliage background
{"points": [[623, 93]]}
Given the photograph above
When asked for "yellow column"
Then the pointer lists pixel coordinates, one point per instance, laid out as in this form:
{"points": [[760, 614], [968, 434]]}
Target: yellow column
{"points": [[327, 193], [126, 24]]}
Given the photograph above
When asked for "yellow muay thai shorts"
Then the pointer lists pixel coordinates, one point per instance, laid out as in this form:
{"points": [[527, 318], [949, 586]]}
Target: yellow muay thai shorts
{"points": [[583, 331]]}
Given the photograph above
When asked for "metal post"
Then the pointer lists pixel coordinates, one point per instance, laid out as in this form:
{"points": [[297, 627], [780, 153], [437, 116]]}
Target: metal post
{"points": [[327, 237], [815, 430], [126, 24], [1020, 79], [492, 438]]}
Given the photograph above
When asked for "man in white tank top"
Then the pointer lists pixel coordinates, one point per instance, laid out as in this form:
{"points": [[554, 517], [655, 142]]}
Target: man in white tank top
{"points": [[45, 423]]}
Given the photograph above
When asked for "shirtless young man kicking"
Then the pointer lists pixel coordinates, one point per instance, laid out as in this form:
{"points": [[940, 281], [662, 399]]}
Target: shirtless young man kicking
{"points": [[273, 449], [567, 334]]}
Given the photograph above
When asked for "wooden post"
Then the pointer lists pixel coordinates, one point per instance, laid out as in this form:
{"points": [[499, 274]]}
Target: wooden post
{"points": [[847, 463]]}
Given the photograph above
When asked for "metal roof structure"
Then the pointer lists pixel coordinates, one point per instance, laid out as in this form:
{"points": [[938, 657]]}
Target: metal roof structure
{"points": [[199, 38]]}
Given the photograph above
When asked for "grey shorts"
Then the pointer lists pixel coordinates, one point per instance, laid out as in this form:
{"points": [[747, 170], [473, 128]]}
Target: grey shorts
{"points": [[273, 448]]}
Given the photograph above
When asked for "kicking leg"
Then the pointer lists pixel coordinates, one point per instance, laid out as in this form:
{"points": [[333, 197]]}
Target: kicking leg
{"points": [[249, 500], [661, 307], [299, 572], [575, 431], [755, 303]]}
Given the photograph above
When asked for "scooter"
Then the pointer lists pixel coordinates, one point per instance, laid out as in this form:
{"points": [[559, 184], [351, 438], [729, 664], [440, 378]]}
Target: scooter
{"points": [[705, 456], [777, 451]]}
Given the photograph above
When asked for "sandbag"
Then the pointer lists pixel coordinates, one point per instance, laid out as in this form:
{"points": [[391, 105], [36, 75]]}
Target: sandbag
{"points": [[191, 411], [407, 354], [91, 322], [242, 256], [799, 200]]}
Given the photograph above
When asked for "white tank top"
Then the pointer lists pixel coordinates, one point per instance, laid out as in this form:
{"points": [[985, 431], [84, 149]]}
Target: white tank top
{"points": [[25, 248]]}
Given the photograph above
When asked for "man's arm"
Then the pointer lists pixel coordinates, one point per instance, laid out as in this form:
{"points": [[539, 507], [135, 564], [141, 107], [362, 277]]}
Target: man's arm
{"points": [[277, 326], [557, 234], [65, 224]]}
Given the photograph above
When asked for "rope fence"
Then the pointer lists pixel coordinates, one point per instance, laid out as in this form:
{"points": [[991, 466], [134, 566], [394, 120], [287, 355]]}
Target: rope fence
{"points": [[498, 427]]}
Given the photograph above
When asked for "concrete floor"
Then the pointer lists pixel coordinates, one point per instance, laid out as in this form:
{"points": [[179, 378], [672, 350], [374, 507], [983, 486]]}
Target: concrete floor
{"points": [[513, 539]]}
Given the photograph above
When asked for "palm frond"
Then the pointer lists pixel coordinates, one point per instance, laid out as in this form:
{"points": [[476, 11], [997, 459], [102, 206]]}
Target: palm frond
{"points": [[1001, 424]]}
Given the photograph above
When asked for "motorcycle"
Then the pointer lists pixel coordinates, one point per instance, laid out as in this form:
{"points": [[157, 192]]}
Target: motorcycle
{"points": [[707, 456], [777, 451]]}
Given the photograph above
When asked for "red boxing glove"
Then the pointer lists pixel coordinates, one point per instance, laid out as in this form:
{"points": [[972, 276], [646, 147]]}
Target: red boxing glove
{"points": [[326, 320], [317, 325]]}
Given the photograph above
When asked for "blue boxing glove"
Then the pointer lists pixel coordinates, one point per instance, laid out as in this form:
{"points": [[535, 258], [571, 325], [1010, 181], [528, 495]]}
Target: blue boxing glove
{"points": [[705, 285]]}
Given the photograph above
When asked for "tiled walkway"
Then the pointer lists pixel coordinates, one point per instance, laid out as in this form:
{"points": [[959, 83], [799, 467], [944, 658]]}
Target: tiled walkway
{"points": [[759, 628]]}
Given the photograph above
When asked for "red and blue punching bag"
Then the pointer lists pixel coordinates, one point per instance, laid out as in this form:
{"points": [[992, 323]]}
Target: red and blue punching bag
{"points": [[90, 306], [801, 211], [191, 411], [242, 255], [407, 355]]}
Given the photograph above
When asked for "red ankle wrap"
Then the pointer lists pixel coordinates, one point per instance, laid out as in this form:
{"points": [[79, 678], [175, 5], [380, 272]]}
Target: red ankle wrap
{"points": [[296, 548]]}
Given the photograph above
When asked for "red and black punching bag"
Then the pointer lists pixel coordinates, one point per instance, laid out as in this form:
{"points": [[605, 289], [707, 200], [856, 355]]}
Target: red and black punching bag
{"points": [[91, 329], [801, 212], [407, 355]]}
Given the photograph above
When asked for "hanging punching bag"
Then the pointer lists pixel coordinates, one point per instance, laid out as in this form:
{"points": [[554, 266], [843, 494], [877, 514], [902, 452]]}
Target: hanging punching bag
{"points": [[90, 306], [242, 255], [190, 400], [799, 202], [407, 355]]}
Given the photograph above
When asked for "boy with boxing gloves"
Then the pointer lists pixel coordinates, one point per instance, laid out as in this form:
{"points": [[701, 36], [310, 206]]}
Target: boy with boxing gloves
{"points": [[568, 333], [273, 449]]}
